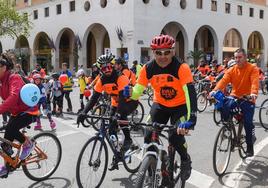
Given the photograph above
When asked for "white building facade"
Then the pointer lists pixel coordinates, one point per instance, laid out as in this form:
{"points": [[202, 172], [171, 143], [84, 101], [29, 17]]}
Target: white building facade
{"points": [[77, 32]]}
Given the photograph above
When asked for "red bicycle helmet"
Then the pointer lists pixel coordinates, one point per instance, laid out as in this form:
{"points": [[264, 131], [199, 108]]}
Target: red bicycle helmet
{"points": [[162, 42]]}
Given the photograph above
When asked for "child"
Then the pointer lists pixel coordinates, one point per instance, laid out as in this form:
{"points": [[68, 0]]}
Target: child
{"points": [[57, 94], [43, 101], [82, 82], [48, 85]]}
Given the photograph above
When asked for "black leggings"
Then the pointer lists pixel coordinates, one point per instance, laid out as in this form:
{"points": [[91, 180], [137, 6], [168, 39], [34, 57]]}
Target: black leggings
{"points": [[16, 123], [162, 114], [66, 94]]}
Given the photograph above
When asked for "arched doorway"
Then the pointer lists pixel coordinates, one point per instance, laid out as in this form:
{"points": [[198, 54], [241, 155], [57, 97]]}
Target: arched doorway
{"points": [[22, 51], [68, 50], [178, 33], [97, 41], [232, 41], [42, 50], [255, 48], [205, 40]]}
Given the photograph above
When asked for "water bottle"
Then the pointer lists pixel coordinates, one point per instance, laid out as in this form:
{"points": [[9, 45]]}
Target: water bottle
{"points": [[114, 141], [121, 139]]}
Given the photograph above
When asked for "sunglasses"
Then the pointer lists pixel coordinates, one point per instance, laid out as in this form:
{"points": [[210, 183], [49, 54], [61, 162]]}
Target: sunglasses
{"points": [[238, 57], [162, 52], [106, 68]]}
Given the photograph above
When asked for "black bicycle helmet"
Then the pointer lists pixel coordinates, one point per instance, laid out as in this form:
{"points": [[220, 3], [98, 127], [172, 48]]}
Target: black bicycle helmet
{"points": [[120, 60], [104, 59], [55, 75]]}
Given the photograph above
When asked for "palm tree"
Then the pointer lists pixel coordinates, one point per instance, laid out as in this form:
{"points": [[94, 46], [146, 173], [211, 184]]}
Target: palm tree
{"points": [[196, 55]]}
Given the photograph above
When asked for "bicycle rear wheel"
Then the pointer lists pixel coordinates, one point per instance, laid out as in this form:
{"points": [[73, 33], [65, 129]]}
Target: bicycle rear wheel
{"points": [[222, 150], [92, 163], [150, 100], [263, 114], [138, 114], [202, 102], [99, 110], [146, 174], [44, 159]]}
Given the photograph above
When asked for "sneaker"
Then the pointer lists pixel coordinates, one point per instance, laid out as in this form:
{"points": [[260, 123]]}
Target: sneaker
{"points": [[127, 144], [80, 110], [69, 110], [250, 150], [3, 171], [114, 165], [186, 169], [52, 125], [27, 148]]}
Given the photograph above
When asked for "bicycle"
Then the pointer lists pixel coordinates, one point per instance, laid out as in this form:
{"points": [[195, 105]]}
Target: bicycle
{"points": [[156, 161], [263, 114], [104, 109], [230, 136], [94, 155], [38, 166]]}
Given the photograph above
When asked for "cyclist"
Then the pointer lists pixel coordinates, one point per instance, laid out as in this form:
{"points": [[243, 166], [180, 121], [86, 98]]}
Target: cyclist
{"points": [[121, 66], [244, 78], [21, 114], [174, 95], [113, 84]]}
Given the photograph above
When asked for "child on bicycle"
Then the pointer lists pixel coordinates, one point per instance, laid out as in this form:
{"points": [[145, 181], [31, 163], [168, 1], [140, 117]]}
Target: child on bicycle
{"points": [[21, 114], [42, 102]]}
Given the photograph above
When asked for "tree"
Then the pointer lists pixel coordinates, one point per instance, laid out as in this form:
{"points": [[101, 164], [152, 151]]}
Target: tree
{"points": [[196, 55], [13, 23]]}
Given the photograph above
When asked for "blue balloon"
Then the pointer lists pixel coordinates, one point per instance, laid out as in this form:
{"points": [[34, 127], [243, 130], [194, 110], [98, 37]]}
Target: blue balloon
{"points": [[30, 94]]}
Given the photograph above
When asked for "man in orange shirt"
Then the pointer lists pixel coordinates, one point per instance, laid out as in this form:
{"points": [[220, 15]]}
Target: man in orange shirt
{"points": [[112, 83], [121, 66], [244, 78], [174, 95]]}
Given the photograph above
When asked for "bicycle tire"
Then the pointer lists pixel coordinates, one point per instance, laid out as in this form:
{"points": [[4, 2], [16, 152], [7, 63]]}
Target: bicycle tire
{"points": [[133, 158], [263, 114], [216, 116], [242, 142], [99, 110], [79, 178], [222, 134], [29, 167], [150, 100], [137, 113], [201, 99], [148, 165]]}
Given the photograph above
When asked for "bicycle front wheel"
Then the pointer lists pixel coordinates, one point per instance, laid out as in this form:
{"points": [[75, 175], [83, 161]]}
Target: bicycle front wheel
{"points": [[146, 174], [150, 100], [242, 141], [222, 150], [202, 102], [45, 158], [92, 163], [263, 114]]}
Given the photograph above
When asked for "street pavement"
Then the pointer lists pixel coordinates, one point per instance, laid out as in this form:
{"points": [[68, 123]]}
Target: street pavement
{"points": [[252, 172]]}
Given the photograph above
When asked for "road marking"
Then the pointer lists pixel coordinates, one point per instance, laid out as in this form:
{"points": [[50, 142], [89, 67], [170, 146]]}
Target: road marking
{"points": [[236, 174], [71, 123], [199, 179], [65, 133]]}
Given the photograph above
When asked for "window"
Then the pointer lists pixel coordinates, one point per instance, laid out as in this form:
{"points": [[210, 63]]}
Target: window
{"points": [[261, 14], [35, 14], [103, 3], [199, 4], [239, 10], [122, 1], [47, 12], [72, 6], [87, 6], [58, 9], [145, 1], [251, 12], [227, 8], [213, 5], [165, 2], [183, 4]]}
